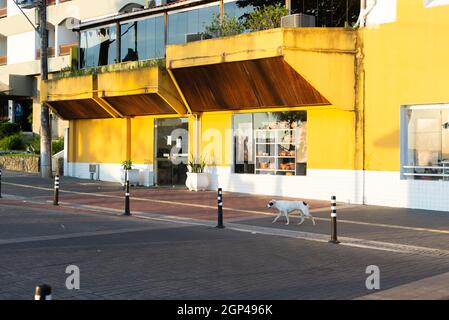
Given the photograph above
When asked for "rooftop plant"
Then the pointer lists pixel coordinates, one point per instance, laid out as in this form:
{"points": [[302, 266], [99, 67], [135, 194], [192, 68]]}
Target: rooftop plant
{"points": [[124, 66], [228, 26], [265, 17]]}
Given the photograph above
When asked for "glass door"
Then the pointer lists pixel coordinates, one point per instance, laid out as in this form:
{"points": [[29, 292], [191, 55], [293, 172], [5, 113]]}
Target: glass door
{"points": [[171, 151]]}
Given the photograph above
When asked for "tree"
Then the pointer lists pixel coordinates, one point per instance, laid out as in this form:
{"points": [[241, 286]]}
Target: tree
{"points": [[266, 17], [228, 26], [328, 13]]}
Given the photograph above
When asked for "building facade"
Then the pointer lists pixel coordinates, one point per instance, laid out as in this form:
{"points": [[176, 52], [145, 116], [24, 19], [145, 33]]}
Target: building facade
{"points": [[360, 113]]}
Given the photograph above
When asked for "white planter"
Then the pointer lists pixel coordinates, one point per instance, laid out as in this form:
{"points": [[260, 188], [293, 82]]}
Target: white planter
{"points": [[133, 176], [197, 181]]}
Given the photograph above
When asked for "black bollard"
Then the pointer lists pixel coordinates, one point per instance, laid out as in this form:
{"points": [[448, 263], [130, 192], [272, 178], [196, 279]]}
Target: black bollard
{"points": [[334, 221], [220, 209], [0, 183], [127, 210], [56, 196], [42, 292]]}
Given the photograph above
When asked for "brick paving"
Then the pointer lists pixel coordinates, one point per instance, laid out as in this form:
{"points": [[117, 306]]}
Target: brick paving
{"points": [[167, 260]]}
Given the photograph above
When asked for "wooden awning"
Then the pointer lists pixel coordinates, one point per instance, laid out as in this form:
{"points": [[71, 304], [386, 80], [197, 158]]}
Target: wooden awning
{"points": [[281, 67], [116, 94], [268, 82]]}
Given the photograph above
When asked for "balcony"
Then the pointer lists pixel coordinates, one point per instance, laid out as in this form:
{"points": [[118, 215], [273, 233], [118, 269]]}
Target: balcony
{"points": [[274, 68], [114, 91], [50, 53], [65, 49]]}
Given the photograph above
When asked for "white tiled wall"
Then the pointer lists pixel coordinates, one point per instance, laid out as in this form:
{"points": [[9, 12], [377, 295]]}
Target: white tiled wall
{"points": [[386, 188], [110, 172], [318, 184], [379, 187]]}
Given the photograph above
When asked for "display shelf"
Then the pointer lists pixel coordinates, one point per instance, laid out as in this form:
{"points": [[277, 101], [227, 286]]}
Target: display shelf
{"points": [[272, 142]]}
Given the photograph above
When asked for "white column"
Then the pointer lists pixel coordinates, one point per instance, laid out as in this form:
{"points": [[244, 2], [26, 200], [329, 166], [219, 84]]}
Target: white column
{"points": [[57, 40]]}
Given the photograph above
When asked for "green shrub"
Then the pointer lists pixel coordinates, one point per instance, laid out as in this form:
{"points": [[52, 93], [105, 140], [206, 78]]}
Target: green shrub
{"points": [[34, 146], [266, 17], [8, 129], [13, 142], [57, 145], [226, 27]]}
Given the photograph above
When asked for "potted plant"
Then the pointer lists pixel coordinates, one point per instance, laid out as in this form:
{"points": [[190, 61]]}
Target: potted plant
{"points": [[133, 174], [197, 179]]}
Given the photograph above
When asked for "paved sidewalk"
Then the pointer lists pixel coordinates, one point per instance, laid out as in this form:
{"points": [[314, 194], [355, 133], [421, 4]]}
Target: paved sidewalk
{"points": [[403, 227], [388, 232]]}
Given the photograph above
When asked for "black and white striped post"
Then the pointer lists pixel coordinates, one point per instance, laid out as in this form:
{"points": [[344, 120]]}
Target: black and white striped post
{"points": [[220, 209], [334, 221], [42, 292], [127, 210], [56, 196]]}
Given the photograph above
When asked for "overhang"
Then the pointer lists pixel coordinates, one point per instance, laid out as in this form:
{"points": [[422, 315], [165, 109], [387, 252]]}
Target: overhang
{"points": [[273, 68], [114, 94]]}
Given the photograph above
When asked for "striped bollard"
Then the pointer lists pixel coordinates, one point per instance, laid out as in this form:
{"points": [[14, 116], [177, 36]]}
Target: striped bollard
{"points": [[127, 210], [56, 196], [220, 209], [334, 221], [42, 292]]}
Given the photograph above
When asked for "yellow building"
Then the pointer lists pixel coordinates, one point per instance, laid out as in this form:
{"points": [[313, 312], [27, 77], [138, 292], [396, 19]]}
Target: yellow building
{"points": [[360, 113]]}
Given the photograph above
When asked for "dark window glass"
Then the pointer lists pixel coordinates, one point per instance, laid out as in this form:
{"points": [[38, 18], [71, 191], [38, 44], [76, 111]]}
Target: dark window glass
{"points": [[233, 10], [243, 143], [143, 39], [98, 47], [188, 22]]}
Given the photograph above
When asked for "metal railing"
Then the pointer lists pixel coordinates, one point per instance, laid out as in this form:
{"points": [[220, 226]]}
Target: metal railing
{"points": [[434, 172]]}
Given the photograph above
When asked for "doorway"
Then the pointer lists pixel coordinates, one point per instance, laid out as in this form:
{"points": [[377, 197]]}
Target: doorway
{"points": [[171, 151]]}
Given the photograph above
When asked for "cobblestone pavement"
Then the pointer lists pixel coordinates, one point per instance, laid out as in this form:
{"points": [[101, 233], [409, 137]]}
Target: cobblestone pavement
{"points": [[158, 258]]}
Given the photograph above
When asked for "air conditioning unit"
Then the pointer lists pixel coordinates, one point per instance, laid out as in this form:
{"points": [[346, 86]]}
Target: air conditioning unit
{"points": [[190, 37], [27, 4], [94, 170], [298, 20]]}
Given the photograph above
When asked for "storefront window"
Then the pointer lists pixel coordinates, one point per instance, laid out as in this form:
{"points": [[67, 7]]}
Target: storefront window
{"points": [[426, 145], [142, 39], [271, 143], [98, 47]]}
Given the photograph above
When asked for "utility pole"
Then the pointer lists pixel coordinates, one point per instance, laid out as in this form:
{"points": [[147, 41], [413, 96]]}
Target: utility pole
{"points": [[46, 171]]}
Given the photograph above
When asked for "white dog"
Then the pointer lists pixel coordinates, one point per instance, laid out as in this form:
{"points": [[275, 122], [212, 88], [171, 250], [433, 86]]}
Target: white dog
{"points": [[286, 207]]}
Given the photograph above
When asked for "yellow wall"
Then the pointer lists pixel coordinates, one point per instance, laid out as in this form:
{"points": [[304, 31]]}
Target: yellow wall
{"points": [[98, 140], [105, 140], [330, 137], [215, 137], [406, 62], [142, 140]]}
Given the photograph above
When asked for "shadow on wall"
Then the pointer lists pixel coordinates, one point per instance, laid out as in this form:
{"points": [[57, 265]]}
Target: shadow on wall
{"points": [[389, 141]]}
